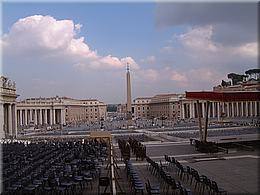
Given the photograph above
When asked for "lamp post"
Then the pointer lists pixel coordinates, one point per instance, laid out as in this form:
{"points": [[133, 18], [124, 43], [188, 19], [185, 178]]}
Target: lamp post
{"points": [[163, 118], [152, 120]]}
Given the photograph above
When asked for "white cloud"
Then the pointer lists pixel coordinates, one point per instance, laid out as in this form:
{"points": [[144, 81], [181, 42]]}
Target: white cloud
{"points": [[175, 76], [47, 36], [247, 49], [150, 75], [149, 60], [199, 39], [167, 74], [203, 62], [167, 49], [78, 26], [204, 75]]}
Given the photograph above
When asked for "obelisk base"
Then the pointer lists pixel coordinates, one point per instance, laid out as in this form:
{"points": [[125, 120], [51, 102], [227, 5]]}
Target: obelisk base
{"points": [[129, 119]]}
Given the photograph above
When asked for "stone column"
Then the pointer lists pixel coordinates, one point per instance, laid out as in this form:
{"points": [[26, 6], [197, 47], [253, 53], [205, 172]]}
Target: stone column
{"points": [[40, 121], [210, 109], [62, 117], [213, 110], [51, 120], [10, 119], [203, 109], [2, 132], [255, 108], [237, 109], [246, 109], [228, 114], [30, 116], [17, 117], [193, 109], [222, 108], [232, 109], [218, 110], [35, 117], [183, 110], [54, 116], [21, 117], [45, 116], [249, 108], [190, 105], [15, 120], [25, 117], [252, 108]]}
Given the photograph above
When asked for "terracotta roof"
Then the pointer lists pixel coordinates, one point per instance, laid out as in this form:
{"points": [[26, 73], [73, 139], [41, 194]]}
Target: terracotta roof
{"points": [[224, 96]]}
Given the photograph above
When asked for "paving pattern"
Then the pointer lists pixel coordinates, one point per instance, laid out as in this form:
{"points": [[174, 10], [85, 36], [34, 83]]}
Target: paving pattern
{"points": [[236, 172]]}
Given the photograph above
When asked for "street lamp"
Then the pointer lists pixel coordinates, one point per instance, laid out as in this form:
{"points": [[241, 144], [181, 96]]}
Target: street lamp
{"points": [[152, 120], [163, 118]]}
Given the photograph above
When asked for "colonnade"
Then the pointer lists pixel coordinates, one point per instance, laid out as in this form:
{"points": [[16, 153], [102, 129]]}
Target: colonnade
{"points": [[40, 116], [9, 122], [222, 109]]}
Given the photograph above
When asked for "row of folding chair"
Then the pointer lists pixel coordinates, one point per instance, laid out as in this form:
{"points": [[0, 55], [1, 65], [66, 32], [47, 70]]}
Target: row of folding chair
{"points": [[136, 183], [201, 183], [167, 181]]}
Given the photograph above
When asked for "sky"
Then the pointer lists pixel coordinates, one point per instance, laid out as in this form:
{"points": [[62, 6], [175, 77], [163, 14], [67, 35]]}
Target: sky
{"points": [[80, 50]]}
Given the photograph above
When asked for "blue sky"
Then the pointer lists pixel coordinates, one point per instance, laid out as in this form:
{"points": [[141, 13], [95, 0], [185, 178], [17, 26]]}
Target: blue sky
{"points": [[171, 48], [118, 28]]}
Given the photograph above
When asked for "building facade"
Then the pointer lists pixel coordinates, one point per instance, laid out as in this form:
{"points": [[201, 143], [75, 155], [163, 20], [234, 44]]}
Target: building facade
{"points": [[141, 107], [224, 105], [240, 85], [177, 106], [166, 106], [58, 111], [8, 126]]}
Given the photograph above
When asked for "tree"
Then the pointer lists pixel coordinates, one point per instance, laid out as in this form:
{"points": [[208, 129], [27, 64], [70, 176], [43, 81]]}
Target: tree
{"points": [[253, 71], [236, 78]]}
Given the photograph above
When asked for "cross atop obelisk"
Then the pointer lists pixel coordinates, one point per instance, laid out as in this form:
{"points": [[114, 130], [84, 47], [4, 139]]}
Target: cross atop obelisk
{"points": [[129, 99]]}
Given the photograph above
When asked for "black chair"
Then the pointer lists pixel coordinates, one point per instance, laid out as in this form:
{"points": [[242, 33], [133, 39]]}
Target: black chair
{"points": [[216, 189], [188, 173], [153, 189], [174, 185], [198, 181], [103, 182]]}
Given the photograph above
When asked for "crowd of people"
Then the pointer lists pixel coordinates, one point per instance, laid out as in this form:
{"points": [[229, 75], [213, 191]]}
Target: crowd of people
{"points": [[137, 148]]}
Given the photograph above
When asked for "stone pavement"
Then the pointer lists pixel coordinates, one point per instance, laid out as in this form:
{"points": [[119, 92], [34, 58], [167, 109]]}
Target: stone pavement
{"points": [[236, 172]]}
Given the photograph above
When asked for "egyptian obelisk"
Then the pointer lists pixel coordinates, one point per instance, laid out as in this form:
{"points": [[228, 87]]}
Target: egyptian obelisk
{"points": [[129, 100]]}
